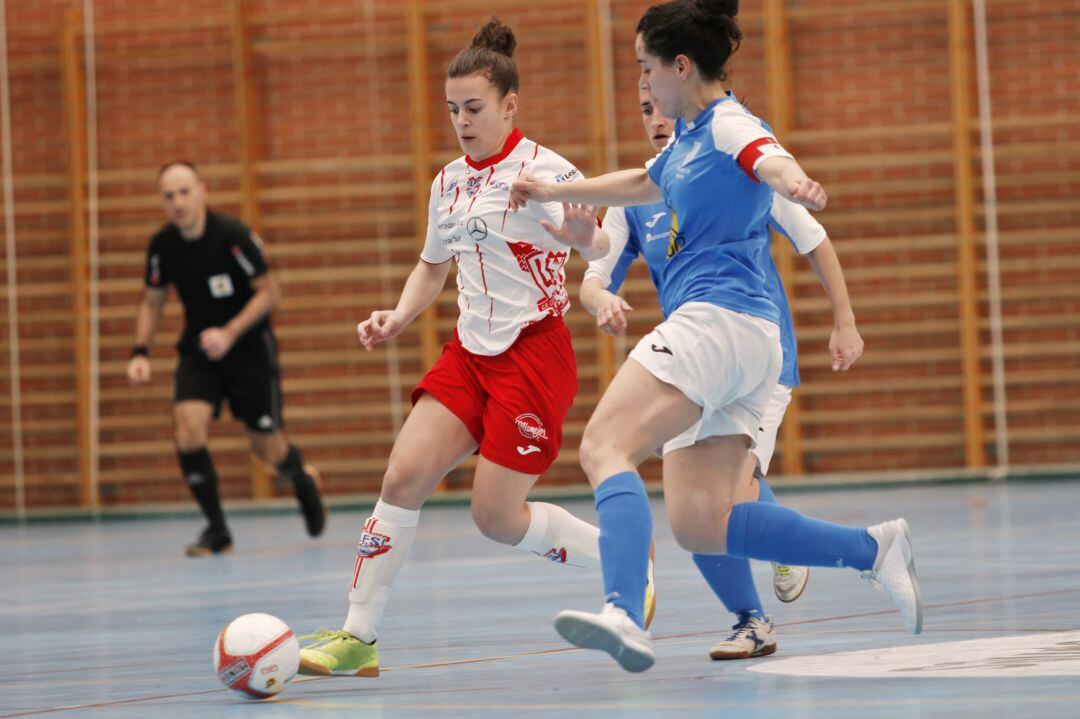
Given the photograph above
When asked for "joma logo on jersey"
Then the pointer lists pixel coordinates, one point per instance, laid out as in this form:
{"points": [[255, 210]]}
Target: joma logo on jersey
{"points": [[676, 239], [372, 545]]}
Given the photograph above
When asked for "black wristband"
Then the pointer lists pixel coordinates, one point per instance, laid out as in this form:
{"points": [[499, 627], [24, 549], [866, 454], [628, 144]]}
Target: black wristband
{"points": [[140, 351]]}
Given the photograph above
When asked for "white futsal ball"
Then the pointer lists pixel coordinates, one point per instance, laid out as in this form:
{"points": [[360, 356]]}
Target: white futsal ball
{"points": [[256, 655]]}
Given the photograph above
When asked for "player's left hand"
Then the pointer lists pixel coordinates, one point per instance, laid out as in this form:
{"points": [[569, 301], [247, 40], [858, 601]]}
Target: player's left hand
{"points": [[578, 227], [845, 346], [809, 194], [216, 342]]}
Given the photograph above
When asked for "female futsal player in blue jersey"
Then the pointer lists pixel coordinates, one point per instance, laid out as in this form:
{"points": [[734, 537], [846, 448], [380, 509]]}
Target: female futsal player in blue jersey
{"points": [[708, 370], [643, 230]]}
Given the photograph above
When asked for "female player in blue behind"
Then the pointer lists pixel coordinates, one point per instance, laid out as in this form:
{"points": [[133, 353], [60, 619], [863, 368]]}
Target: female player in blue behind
{"points": [[706, 373], [643, 230]]}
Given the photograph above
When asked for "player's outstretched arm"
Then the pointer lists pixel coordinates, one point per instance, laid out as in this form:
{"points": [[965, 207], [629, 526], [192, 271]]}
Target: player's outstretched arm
{"points": [[787, 177], [424, 284], [624, 187], [608, 308], [845, 343], [147, 319], [580, 231]]}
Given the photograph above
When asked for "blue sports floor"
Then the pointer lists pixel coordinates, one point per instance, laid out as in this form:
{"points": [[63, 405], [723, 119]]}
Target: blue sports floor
{"points": [[111, 620]]}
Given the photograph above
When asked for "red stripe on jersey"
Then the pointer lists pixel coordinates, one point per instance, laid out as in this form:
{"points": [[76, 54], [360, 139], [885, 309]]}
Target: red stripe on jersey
{"points": [[442, 176], [751, 154], [456, 191], [483, 275], [511, 142], [536, 151]]}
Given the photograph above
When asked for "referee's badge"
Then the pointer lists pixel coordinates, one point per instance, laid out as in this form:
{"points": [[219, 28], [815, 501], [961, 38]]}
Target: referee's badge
{"points": [[221, 286]]}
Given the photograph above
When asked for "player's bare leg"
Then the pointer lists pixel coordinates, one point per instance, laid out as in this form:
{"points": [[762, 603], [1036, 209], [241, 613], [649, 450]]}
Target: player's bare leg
{"points": [[416, 466]]}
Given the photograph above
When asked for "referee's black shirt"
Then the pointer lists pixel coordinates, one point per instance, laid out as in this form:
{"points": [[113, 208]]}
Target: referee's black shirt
{"points": [[212, 274]]}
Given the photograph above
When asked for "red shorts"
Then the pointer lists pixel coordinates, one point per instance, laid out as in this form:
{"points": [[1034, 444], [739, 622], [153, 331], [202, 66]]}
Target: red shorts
{"points": [[513, 403]]}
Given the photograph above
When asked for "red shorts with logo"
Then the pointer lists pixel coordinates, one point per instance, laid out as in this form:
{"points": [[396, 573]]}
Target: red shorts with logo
{"points": [[513, 403]]}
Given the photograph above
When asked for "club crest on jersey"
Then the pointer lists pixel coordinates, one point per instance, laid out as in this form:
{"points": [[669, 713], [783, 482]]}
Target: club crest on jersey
{"points": [[372, 544], [472, 185], [221, 286], [530, 426]]}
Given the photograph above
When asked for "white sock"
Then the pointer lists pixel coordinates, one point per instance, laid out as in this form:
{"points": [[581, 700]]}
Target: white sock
{"points": [[557, 535], [381, 553]]}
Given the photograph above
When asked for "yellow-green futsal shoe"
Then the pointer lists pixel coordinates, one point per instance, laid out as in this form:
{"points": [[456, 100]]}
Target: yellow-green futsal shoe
{"points": [[339, 654]]}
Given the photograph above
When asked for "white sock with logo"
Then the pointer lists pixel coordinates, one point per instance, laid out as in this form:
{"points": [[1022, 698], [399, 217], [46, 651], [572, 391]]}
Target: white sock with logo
{"points": [[559, 536], [380, 555]]}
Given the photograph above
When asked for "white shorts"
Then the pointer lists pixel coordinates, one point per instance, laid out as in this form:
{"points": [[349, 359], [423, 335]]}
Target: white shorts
{"points": [[770, 425], [725, 362]]}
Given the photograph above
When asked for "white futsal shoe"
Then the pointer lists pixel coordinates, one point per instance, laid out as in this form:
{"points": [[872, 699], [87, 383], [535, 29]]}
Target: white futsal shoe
{"points": [[789, 582], [894, 571], [751, 637], [610, 631]]}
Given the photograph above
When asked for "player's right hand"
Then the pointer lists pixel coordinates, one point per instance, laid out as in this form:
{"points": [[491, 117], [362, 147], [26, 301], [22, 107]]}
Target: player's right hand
{"points": [[381, 326], [611, 314], [138, 370]]}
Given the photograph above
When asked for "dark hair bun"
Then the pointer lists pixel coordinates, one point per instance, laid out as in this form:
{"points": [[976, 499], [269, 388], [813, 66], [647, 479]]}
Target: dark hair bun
{"points": [[496, 37], [727, 8]]}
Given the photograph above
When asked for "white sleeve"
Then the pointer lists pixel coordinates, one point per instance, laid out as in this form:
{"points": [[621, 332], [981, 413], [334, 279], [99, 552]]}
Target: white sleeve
{"points": [[434, 252], [742, 136], [797, 224], [617, 230]]}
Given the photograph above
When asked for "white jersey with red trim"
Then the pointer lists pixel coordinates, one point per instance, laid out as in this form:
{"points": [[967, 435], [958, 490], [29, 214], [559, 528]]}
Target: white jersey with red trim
{"points": [[510, 271]]}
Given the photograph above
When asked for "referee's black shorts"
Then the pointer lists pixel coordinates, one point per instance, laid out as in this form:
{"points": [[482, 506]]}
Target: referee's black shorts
{"points": [[249, 377]]}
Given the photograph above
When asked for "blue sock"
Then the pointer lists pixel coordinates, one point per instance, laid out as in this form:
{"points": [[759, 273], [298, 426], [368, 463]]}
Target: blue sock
{"points": [[625, 520], [759, 530], [730, 577], [732, 582]]}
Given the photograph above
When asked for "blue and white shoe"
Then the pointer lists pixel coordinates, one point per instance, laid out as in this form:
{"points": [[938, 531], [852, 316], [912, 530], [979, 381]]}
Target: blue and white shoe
{"points": [[751, 637]]}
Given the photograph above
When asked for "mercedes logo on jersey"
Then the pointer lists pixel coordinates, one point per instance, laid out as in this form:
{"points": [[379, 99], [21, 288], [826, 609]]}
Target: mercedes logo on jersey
{"points": [[477, 228]]}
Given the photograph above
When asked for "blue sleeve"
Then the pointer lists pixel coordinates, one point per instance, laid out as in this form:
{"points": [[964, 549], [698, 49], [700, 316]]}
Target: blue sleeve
{"points": [[629, 254]]}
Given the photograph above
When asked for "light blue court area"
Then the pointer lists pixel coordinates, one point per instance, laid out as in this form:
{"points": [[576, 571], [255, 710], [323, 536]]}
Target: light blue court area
{"points": [[110, 620]]}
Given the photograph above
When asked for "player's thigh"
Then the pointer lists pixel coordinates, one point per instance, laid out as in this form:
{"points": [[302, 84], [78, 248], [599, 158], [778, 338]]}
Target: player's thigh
{"points": [[191, 419], [637, 413], [498, 501], [701, 484], [432, 442], [252, 384]]}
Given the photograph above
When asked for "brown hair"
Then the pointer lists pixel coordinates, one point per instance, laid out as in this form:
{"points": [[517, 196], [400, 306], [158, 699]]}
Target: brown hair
{"points": [[491, 54]]}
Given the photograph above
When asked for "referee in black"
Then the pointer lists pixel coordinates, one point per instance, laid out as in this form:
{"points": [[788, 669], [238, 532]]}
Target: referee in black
{"points": [[227, 348]]}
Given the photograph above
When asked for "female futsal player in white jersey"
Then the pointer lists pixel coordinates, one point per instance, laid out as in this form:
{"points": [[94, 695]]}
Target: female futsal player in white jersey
{"points": [[644, 230], [504, 384], [708, 370]]}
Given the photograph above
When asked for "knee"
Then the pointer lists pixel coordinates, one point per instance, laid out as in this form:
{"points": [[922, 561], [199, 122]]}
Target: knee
{"points": [[496, 522], [399, 487], [190, 436], [592, 453], [703, 529]]}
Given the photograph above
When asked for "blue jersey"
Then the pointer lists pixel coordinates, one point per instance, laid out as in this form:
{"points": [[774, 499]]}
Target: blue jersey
{"points": [[644, 230], [719, 211]]}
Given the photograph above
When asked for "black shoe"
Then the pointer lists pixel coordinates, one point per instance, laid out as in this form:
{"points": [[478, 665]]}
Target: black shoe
{"points": [[213, 540], [311, 503]]}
